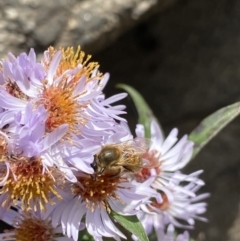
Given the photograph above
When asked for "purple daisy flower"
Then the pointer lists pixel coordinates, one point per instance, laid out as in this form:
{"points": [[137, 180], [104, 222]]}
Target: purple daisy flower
{"points": [[26, 163], [30, 226], [22, 75], [68, 87]]}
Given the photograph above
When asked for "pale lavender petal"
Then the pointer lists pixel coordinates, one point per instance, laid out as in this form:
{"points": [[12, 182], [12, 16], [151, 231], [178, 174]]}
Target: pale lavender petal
{"points": [[170, 141], [53, 137], [109, 225], [9, 102], [114, 98], [9, 216], [53, 67], [80, 87], [32, 55]]}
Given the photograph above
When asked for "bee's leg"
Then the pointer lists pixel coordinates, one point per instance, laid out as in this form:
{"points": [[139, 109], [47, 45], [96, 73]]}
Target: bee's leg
{"points": [[128, 168], [115, 174], [94, 164], [94, 177], [106, 205]]}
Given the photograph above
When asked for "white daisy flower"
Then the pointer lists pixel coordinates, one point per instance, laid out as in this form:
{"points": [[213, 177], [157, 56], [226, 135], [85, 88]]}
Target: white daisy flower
{"points": [[166, 156], [179, 206], [170, 235]]}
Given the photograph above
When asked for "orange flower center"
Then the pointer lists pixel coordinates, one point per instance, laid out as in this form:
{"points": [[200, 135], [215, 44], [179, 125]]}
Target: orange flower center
{"points": [[30, 228], [96, 190], [63, 107], [164, 205]]}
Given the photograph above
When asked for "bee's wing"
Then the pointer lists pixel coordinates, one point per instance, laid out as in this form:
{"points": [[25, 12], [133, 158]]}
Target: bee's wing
{"points": [[150, 164], [142, 143], [138, 145], [141, 147], [131, 149], [150, 159]]}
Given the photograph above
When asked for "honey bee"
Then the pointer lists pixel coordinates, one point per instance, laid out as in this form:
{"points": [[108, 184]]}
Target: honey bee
{"points": [[115, 159]]}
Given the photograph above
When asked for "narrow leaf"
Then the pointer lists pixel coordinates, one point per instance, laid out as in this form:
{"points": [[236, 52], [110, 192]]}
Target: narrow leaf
{"points": [[145, 114], [152, 236], [212, 125], [84, 236], [132, 224]]}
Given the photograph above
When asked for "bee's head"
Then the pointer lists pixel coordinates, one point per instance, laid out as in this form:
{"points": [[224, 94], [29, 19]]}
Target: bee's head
{"points": [[96, 166]]}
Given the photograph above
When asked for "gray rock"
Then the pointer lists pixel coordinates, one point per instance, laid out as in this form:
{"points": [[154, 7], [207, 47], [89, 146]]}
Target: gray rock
{"points": [[93, 24], [234, 231]]}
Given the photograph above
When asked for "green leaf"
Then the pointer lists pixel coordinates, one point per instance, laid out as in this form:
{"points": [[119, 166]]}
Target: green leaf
{"points": [[132, 224], [145, 114], [212, 125], [152, 236], [84, 236]]}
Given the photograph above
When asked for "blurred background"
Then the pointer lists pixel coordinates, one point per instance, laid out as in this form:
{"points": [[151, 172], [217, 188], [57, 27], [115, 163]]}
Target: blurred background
{"points": [[182, 55]]}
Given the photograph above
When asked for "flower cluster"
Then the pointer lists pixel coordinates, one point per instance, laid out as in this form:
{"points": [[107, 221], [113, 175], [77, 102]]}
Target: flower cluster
{"points": [[68, 158]]}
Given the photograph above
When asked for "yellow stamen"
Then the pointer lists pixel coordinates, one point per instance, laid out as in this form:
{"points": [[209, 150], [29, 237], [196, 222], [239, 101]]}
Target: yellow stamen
{"points": [[71, 59], [30, 185]]}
